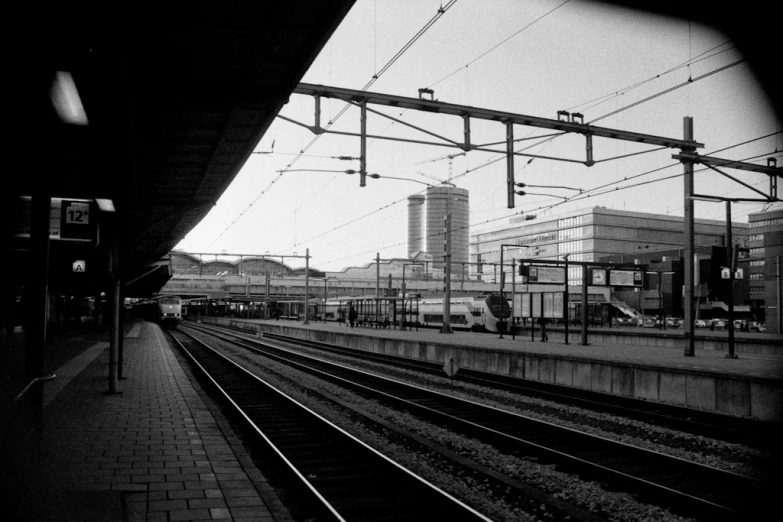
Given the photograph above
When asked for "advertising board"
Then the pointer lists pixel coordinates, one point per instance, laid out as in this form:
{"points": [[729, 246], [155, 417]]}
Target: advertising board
{"points": [[626, 278], [546, 275]]}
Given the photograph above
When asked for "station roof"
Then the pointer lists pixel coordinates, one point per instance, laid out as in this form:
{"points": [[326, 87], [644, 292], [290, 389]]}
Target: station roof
{"points": [[176, 97]]}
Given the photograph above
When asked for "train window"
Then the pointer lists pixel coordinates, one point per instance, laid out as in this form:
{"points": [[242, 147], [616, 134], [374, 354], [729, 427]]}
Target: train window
{"points": [[169, 300]]}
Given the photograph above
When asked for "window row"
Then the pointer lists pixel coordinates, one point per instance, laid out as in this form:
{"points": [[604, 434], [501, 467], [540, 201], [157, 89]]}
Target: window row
{"points": [[569, 222], [766, 222], [570, 233], [571, 246]]}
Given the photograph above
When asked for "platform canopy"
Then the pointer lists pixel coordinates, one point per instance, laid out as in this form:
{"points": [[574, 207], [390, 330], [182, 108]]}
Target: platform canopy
{"points": [[175, 96]]}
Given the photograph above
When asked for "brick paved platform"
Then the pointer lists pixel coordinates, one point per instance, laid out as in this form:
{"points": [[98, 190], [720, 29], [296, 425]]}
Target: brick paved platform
{"points": [[155, 452]]}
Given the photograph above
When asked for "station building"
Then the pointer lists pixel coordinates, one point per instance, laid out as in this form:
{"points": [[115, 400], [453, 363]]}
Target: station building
{"points": [[600, 234], [765, 244]]}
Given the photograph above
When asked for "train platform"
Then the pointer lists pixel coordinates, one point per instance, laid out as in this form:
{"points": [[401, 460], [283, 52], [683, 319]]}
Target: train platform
{"points": [[754, 365], [750, 385], [157, 451]]}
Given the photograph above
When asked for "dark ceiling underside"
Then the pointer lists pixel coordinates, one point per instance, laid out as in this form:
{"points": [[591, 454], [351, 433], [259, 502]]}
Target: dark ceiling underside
{"points": [[177, 96]]}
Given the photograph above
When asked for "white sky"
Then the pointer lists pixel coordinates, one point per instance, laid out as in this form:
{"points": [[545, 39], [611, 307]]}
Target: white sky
{"points": [[578, 55]]}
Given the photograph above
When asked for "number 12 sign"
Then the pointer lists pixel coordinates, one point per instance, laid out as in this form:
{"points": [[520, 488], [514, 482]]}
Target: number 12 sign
{"points": [[75, 220]]}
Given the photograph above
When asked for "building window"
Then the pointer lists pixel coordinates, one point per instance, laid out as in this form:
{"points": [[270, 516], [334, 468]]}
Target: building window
{"points": [[756, 276], [757, 262], [570, 233], [570, 222], [754, 289], [756, 237], [571, 246], [757, 251]]}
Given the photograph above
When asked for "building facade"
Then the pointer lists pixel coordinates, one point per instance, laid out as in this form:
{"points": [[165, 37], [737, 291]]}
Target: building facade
{"points": [[591, 235], [765, 244]]}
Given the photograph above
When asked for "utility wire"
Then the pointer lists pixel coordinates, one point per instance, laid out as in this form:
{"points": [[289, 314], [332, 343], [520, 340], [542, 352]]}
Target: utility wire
{"points": [[441, 11], [606, 97], [482, 55], [584, 195], [670, 89]]}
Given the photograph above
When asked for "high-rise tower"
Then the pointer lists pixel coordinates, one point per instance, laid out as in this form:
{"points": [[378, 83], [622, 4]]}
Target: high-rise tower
{"points": [[442, 200], [415, 224]]}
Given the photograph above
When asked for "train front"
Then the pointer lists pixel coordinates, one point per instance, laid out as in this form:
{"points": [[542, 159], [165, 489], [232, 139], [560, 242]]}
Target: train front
{"points": [[496, 309], [170, 309]]}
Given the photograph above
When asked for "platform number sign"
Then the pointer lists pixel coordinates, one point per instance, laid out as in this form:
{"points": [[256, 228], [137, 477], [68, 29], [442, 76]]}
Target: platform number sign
{"points": [[75, 220]]}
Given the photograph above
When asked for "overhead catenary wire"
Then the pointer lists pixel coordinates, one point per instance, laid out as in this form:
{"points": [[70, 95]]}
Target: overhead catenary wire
{"points": [[584, 195], [441, 11]]}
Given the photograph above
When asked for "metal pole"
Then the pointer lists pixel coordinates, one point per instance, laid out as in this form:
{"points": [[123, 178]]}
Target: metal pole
{"points": [[777, 275], [447, 276], [730, 263], [688, 333], [565, 299], [114, 290], [584, 305], [513, 295], [35, 301], [501, 289], [307, 284], [267, 294], [402, 327], [377, 274]]}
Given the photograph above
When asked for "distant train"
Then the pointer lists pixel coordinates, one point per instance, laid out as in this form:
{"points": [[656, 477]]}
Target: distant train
{"points": [[480, 313], [165, 310]]}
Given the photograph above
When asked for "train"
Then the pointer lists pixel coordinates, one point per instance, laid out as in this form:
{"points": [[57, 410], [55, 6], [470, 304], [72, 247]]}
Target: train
{"points": [[480, 314], [164, 310]]}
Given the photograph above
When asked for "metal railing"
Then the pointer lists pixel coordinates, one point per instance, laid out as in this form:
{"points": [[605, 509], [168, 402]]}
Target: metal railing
{"points": [[35, 381]]}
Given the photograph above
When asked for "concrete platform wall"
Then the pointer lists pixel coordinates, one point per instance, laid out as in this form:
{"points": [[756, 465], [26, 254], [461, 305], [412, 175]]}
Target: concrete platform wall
{"points": [[705, 341], [746, 396]]}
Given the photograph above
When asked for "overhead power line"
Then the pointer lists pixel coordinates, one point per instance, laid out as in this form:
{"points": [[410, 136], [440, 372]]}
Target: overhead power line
{"points": [[441, 11]]}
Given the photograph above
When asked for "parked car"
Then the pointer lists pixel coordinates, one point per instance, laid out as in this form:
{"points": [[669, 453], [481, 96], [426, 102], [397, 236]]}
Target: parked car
{"points": [[701, 323], [719, 324], [648, 323]]}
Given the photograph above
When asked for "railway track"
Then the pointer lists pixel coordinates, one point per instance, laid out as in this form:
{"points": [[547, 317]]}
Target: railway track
{"points": [[749, 432], [684, 487], [342, 478]]}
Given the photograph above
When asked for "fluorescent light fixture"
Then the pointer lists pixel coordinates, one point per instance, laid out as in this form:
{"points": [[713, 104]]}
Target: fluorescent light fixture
{"points": [[106, 205], [66, 101]]}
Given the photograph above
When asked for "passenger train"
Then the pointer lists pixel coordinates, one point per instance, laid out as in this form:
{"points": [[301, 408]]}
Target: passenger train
{"points": [[480, 313], [164, 310]]}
